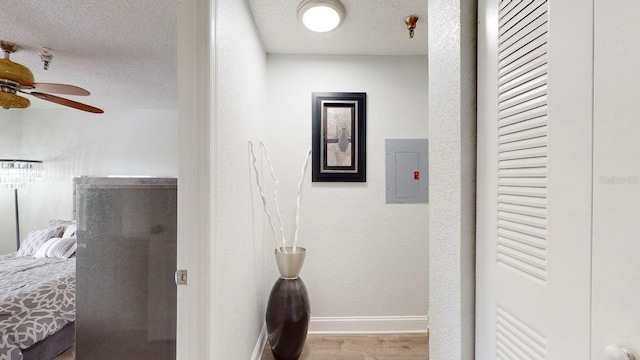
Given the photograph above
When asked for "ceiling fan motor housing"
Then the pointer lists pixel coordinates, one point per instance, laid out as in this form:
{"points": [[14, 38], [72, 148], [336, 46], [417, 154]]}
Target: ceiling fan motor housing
{"points": [[13, 72], [13, 101]]}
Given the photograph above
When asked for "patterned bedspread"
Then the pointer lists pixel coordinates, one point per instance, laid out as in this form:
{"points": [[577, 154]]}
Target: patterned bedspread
{"points": [[37, 298]]}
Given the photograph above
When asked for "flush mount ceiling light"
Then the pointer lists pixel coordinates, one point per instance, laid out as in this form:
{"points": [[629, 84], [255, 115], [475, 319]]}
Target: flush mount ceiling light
{"points": [[321, 15]]}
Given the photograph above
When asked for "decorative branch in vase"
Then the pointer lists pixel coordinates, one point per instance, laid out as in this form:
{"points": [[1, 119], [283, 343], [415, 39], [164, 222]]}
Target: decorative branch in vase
{"points": [[288, 310]]}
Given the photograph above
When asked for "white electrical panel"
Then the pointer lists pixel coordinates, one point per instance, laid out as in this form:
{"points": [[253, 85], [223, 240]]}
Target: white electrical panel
{"points": [[407, 171]]}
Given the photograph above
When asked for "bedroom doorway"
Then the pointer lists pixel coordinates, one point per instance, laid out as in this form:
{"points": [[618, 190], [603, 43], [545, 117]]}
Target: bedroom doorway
{"points": [[126, 258]]}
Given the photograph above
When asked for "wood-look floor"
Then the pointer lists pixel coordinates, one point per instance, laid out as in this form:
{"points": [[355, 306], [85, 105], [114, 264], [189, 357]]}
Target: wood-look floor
{"points": [[362, 347], [349, 347]]}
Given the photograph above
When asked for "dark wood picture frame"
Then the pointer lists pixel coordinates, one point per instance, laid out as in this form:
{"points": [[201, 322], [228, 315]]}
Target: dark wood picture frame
{"points": [[339, 137]]}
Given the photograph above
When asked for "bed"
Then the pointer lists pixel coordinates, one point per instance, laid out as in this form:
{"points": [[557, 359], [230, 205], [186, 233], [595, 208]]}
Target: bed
{"points": [[37, 306]]}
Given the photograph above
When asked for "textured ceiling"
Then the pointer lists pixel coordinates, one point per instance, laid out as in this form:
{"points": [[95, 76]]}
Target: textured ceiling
{"points": [[371, 27], [124, 51]]}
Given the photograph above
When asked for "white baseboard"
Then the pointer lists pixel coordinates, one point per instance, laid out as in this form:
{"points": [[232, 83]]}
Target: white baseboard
{"points": [[262, 340], [369, 325], [355, 325]]}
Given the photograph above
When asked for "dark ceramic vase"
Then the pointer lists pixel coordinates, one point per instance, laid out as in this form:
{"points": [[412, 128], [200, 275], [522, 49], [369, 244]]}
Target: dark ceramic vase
{"points": [[288, 312]]}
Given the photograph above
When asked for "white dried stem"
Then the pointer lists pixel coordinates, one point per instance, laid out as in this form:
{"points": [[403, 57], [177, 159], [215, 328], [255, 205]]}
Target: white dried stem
{"points": [[262, 196], [298, 197], [263, 147]]}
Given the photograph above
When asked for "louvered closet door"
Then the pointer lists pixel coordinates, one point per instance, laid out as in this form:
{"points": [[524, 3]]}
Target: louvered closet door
{"points": [[534, 179]]}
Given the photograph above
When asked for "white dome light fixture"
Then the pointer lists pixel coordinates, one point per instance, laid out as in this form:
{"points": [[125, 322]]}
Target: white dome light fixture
{"points": [[321, 15]]}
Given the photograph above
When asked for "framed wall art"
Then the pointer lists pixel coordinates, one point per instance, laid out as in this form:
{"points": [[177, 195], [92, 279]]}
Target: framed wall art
{"points": [[339, 137]]}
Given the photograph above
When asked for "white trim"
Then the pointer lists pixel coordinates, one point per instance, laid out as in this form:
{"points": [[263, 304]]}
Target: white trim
{"points": [[369, 325], [196, 177], [260, 344]]}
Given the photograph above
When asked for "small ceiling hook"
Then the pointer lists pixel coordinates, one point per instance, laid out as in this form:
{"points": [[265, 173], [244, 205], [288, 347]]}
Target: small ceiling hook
{"points": [[45, 57], [411, 21]]}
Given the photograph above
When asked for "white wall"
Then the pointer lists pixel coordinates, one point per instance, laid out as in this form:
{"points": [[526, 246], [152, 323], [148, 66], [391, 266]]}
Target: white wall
{"points": [[72, 143], [364, 258], [238, 267], [9, 149]]}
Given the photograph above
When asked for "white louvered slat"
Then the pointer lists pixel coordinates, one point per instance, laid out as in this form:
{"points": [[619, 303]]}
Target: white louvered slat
{"points": [[523, 144], [536, 166], [506, 7], [527, 133], [522, 75], [516, 42], [536, 19], [522, 52], [524, 192], [524, 182], [523, 125], [521, 209], [523, 219], [520, 14], [533, 60], [517, 167], [522, 95], [516, 118], [523, 154], [507, 16], [525, 106], [522, 228], [534, 171], [522, 159], [538, 82], [517, 339], [537, 175], [522, 238], [532, 202], [523, 248]]}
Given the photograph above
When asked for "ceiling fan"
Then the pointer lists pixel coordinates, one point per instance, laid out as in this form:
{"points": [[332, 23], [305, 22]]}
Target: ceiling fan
{"points": [[16, 78]]}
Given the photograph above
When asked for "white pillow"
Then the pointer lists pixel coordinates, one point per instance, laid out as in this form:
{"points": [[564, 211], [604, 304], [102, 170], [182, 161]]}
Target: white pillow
{"points": [[42, 251], [36, 238], [70, 231], [63, 248]]}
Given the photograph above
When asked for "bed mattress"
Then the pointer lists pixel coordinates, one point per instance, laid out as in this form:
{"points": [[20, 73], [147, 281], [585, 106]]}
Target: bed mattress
{"points": [[37, 298]]}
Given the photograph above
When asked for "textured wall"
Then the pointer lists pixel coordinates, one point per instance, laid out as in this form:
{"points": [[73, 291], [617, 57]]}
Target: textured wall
{"points": [[74, 143], [9, 149], [452, 31], [365, 257], [239, 264]]}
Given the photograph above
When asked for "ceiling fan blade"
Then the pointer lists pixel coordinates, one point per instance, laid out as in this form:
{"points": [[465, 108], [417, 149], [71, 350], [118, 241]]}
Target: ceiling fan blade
{"points": [[57, 88], [66, 102]]}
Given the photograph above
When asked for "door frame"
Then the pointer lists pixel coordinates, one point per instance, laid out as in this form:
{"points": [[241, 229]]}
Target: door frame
{"points": [[197, 123], [197, 119]]}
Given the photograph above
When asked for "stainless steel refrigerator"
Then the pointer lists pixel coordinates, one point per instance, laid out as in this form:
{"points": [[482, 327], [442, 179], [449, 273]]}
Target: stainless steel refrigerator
{"points": [[126, 260]]}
